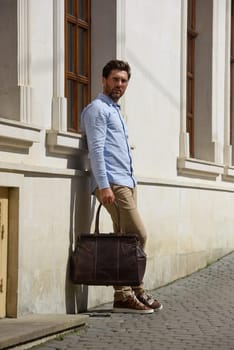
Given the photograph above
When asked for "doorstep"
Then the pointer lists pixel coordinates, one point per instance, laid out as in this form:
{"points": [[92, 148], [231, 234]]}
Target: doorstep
{"points": [[27, 331]]}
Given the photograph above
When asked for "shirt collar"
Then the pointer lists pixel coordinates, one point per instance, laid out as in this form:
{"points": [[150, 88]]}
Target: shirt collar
{"points": [[108, 100]]}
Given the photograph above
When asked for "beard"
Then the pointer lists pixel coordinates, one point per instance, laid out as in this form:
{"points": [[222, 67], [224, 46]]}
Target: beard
{"points": [[114, 94]]}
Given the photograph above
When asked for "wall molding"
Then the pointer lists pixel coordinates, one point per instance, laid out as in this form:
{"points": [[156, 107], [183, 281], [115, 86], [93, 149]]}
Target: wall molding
{"points": [[40, 170], [59, 102], [190, 183]]}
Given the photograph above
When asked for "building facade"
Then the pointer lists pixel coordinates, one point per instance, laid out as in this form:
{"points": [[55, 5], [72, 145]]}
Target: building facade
{"points": [[179, 112]]}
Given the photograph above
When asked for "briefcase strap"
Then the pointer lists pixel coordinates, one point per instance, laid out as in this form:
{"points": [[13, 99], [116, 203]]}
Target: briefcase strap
{"points": [[97, 218]]}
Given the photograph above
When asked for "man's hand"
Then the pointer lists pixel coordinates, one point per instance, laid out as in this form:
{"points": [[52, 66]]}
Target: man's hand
{"points": [[107, 196]]}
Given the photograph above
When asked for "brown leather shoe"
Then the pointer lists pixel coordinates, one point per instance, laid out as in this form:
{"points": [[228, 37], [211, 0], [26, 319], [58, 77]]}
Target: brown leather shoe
{"points": [[149, 301], [131, 305]]}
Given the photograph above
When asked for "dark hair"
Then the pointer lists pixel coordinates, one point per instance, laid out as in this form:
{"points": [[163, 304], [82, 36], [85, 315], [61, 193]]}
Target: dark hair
{"points": [[116, 64]]}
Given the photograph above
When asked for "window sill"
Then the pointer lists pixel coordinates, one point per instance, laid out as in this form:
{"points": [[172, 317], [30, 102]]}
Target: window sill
{"points": [[65, 143], [16, 135], [198, 168]]}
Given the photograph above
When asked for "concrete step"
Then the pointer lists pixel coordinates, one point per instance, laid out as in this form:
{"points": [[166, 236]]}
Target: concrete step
{"points": [[27, 331]]}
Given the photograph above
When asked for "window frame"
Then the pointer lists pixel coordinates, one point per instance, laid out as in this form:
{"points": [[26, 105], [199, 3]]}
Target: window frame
{"points": [[191, 36], [78, 79]]}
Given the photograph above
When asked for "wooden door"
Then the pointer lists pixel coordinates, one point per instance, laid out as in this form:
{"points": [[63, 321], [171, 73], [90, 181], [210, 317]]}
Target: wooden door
{"points": [[3, 248]]}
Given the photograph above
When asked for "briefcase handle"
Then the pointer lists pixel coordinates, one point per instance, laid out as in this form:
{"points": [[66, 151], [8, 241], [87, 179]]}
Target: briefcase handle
{"points": [[97, 218]]}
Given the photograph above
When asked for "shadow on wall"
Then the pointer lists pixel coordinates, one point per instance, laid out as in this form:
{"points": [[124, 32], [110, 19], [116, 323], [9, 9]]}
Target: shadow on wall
{"points": [[82, 212], [152, 79]]}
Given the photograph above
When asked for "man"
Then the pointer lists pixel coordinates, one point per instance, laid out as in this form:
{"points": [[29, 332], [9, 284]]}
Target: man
{"points": [[113, 179]]}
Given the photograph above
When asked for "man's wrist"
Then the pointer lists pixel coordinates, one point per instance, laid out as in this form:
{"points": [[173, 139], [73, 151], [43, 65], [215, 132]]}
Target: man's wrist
{"points": [[104, 188]]}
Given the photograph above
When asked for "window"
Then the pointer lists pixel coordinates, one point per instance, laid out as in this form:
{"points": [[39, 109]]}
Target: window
{"points": [[201, 138], [199, 79], [191, 35], [77, 59]]}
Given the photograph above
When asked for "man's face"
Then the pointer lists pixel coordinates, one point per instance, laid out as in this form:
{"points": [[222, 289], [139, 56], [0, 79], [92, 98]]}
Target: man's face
{"points": [[115, 85]]}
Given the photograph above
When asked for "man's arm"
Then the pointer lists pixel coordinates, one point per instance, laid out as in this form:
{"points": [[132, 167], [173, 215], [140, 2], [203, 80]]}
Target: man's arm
{"points": [[95, 129]]}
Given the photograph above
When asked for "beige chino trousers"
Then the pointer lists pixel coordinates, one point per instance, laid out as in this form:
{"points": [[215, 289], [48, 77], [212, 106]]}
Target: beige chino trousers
{"points": [[130, 221]]}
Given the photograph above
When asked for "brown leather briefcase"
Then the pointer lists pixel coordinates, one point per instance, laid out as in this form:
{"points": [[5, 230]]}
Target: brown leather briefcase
{"points": [[107, 259]]}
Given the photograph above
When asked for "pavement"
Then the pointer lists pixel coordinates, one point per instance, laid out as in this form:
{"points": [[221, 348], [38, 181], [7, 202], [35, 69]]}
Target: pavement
{"points": [[198, 314]]}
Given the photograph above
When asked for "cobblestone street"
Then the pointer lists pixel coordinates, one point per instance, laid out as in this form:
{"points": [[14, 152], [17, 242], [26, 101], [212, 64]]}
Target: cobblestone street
{"points": [[198, 314]]}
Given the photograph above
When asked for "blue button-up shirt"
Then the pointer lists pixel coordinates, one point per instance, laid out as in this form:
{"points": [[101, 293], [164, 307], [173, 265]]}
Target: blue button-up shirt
{"points": [[107, 138]]}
